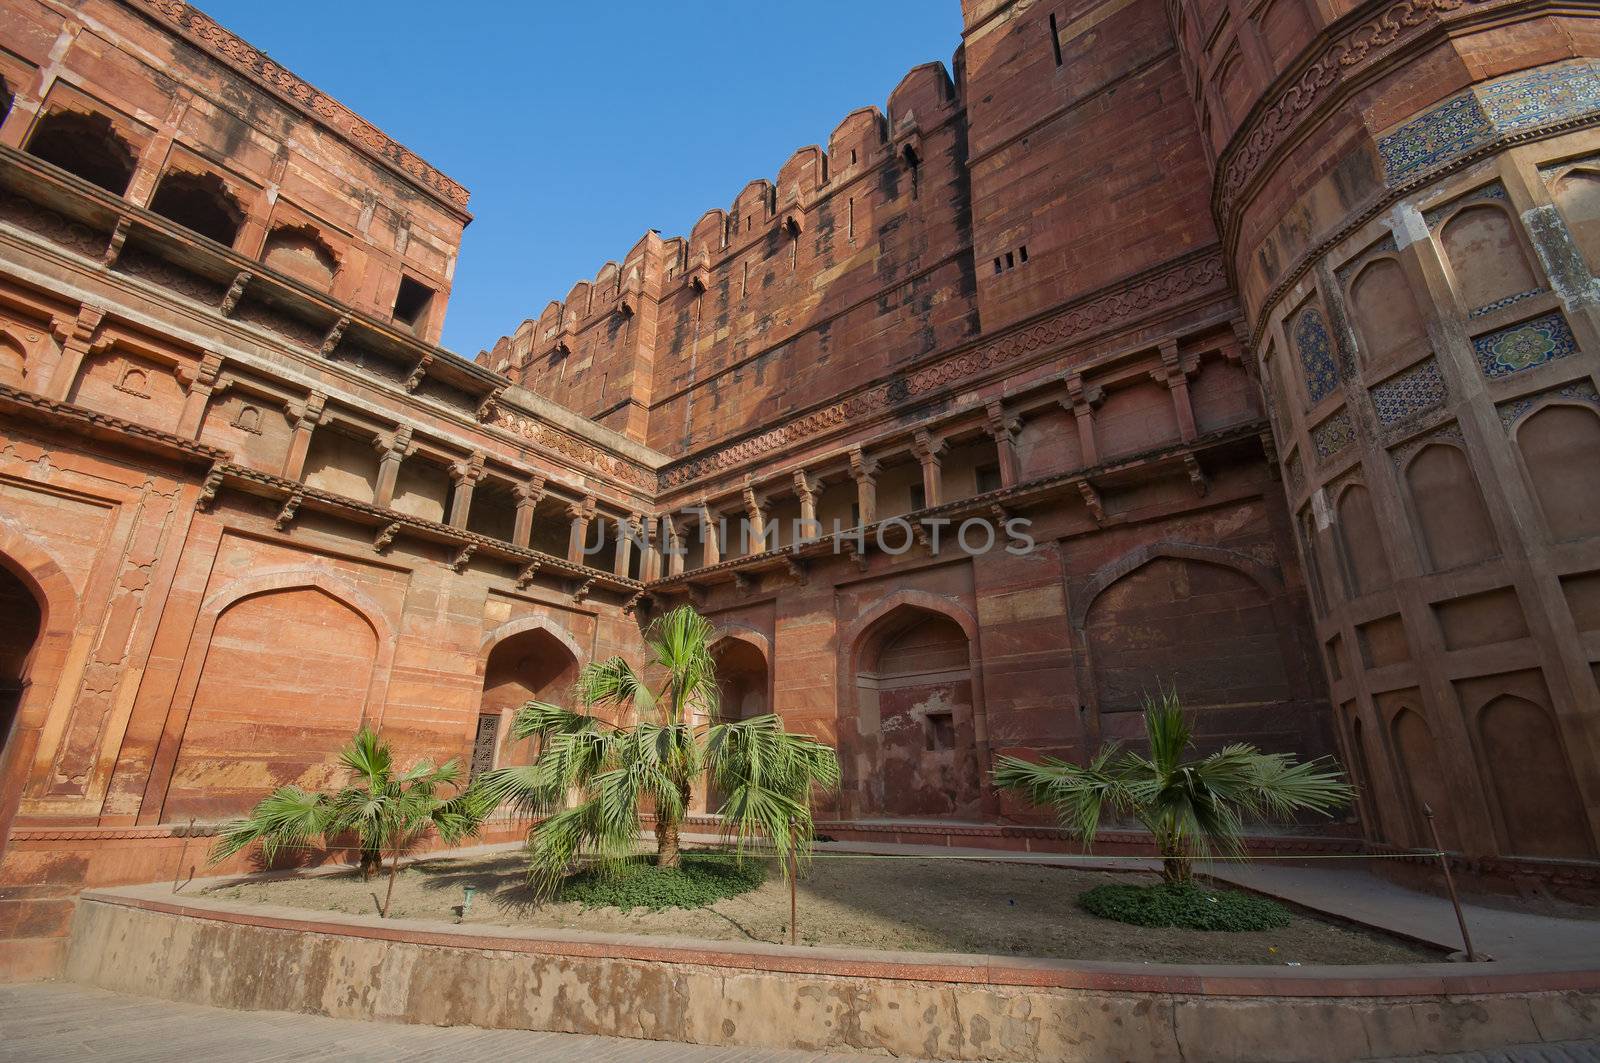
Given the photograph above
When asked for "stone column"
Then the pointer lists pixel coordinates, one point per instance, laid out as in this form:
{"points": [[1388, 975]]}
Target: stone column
{"points": [[627, 527], [466, 474], [393, 448], [673, 545], [1080, 402], [1172, 374], [581, 513], [929, 450], [1003, 426], [201, 384], [864, 471], [304, 418], [755, 508], [650, 563], [76, 338], [710, 544], [808, 488], [528, 494]]}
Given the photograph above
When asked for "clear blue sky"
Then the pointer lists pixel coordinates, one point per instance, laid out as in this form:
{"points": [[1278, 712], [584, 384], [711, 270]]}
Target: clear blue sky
{"points": [[579, 126]]}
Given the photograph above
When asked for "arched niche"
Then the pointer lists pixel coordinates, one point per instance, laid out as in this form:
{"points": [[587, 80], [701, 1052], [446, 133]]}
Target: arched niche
{"points": [[1423, 777], [1361, 767], [85, 145], [283, 685], [917, 750], [1541, 812], [1560, 446], [297, 251], [1197, 624], [1388, 322], [200, 202], [1452, 521], [743, 678], [1485, 255], [1361, 539], [1577, 196], [13, 361], [531, 663]]}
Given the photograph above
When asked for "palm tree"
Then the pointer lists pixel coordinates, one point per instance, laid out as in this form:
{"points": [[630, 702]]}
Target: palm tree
{"points": [[1192, 806], [653, 755], [383, 809]]}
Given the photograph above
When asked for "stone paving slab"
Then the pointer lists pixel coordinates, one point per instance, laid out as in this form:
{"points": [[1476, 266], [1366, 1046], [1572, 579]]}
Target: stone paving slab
{"points": [[57, 1021]]}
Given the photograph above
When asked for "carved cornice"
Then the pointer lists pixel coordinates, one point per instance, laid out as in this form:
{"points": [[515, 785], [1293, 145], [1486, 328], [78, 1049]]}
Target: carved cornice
{"points": [[1346, 52], [80, 418], [571, 447], [1113, 306], [238, 55]]}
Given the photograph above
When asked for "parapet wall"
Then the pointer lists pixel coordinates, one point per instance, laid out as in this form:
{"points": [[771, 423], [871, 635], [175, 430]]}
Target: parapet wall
{"points": [[854, 262]]}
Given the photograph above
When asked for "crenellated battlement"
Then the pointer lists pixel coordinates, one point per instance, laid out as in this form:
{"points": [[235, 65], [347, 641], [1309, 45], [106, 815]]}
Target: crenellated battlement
{"points": [[783, 257]]}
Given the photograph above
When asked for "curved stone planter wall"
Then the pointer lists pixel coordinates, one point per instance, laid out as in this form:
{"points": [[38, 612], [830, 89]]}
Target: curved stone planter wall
{"points": [[142, 940]]}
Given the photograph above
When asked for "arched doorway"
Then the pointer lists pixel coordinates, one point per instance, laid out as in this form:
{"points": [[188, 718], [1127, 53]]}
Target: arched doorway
{"points": [[531, 665], [915, 738], [18, 633]]}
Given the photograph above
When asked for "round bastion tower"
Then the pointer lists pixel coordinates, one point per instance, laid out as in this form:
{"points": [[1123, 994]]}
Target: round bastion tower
{"points": [[1408, 193]]}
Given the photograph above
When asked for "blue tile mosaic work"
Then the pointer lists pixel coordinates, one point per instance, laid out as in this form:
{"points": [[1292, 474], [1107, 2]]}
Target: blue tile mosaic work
{"points": [[1510, 300], [1577, 391], [1475, 117], [1407, 394], [1511, 350], [1316, 355], [1297, 480], [1333, 435]]}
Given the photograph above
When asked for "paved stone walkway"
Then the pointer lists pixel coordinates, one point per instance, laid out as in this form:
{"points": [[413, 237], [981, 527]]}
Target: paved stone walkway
{"points": [[57, 1021]]}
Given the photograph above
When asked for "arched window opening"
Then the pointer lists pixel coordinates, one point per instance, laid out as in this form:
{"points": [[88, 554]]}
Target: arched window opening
{"points": [[85, 145], [914, 168], [201, 202], [531, 665]]}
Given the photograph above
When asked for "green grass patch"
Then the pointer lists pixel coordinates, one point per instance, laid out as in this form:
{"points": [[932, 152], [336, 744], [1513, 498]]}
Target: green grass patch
{"points": [[702, 879], [1188, 907]]}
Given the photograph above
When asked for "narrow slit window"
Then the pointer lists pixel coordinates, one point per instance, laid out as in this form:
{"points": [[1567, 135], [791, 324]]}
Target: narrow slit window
{"points": [[1022, 252], [850, 223], [1055, 39], [1011, 260], [998, 267]]}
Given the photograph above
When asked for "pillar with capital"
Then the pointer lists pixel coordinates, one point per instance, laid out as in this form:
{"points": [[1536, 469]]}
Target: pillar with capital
{"points": [[528, 493], [303, 418], [929, 450], [1003, 427], [465, 474], [864, 471], [581, 513], [393, 448]]}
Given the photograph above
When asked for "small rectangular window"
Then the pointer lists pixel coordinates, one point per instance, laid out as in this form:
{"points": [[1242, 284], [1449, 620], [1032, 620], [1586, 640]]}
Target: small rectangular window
{"points": [[1011, 260], [411, 302], [997, 267], [1022, 252]]}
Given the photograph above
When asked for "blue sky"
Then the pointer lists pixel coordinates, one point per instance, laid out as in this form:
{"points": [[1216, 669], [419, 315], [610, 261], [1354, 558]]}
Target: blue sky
{"points": [[578, 126]]}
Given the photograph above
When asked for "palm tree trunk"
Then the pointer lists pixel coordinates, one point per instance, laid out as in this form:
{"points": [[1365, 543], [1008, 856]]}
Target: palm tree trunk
{"points": [[667, 854], [371, 860], [794, 875], [388, 895]]}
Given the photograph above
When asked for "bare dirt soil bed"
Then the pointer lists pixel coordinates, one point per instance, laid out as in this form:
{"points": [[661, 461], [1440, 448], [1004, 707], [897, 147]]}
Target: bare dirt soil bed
{"points": [[898, 904]]}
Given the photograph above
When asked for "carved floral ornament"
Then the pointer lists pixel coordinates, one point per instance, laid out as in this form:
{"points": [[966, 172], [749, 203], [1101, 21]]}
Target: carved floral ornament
{"points": [[576, 450]]}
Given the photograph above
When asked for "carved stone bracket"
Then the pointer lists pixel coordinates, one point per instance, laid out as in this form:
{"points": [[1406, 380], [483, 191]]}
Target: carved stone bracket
{"points": [[1091, 498], [386, 536], [1197, 475], [209, 488], [119, 236], [799, 571], [286, 515], [463, 555], [525, 576], [230, 301], [418, 371], [490, 403], [334, 334], [583, 590]]}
